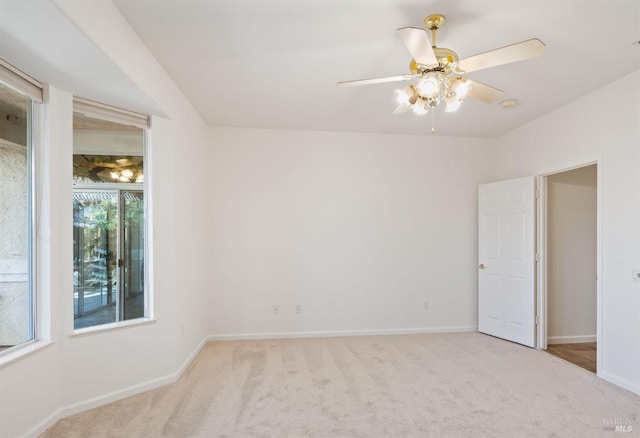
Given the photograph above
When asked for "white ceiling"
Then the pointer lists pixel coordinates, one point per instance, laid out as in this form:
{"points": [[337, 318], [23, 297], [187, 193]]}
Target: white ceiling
{"points": [[274, 64], [39, 39]]}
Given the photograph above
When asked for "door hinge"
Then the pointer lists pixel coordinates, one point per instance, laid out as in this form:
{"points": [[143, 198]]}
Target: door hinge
{"points": [[537, 257], [537, 194], [537, 320]]}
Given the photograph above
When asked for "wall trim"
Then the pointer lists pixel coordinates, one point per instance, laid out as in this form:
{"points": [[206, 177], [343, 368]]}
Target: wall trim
{"points": [[571, 339], [619, 382], [340, 333], [187, 362], [110, 397], [541, 236]]}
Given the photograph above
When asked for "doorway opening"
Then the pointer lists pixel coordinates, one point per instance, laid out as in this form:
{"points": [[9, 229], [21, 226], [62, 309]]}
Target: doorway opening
{"points": [[569, 272]]}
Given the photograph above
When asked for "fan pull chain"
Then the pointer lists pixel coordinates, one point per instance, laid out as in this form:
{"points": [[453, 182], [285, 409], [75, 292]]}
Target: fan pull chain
{"points": [[433, 123]]}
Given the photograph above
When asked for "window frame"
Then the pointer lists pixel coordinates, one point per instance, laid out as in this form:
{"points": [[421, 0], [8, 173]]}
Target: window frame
{"points": [[111, 114], [32, 260], [32, 90]]}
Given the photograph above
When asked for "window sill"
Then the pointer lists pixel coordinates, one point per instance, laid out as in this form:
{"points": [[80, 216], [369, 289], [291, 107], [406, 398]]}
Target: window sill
{"points": [[23, 351], [111, 327]]}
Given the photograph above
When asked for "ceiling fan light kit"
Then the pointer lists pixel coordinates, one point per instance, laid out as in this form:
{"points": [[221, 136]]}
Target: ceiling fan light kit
{"points": [[441, 72]]}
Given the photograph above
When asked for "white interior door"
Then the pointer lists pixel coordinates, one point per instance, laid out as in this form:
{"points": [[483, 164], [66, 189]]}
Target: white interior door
{"points": [[506, 262]]}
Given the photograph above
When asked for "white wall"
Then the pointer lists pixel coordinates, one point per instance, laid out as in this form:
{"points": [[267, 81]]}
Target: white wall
{"points": [[604, 125], [75, 373], [358, 229], [571, 255]]}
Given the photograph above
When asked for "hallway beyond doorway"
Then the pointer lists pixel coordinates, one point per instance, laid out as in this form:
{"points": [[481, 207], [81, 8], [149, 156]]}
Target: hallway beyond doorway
{"points": [[582, 354]]}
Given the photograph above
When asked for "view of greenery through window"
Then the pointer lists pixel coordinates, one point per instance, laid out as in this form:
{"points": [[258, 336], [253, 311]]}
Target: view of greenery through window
{"points": [[16, 301], [108, 228]]}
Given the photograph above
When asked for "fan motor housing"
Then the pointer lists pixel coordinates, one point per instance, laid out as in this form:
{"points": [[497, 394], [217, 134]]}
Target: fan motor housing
{"points": [[446, 59]]}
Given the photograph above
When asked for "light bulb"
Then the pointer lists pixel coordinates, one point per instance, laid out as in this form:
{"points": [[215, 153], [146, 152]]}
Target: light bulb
{"points": [[420, 107], [450, 97], [461, 87], [115, 175], [453, 105], [429, 87], [123, 179], [127, 173], [431, 84], [405, 95], [401, 97]]}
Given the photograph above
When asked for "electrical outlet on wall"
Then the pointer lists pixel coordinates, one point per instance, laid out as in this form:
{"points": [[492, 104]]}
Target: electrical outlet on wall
{"points": [[298, 308], [426, 305], [276, 309]]}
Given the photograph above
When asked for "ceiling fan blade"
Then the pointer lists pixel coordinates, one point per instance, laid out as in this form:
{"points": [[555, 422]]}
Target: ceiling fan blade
{"points": [[402, 108], [418, 44], [505, 55], [375, 80], [484, 92]]}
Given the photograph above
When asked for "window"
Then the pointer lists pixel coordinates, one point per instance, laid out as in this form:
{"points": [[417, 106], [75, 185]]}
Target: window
{"points": [[16, 225], [109, 229]]}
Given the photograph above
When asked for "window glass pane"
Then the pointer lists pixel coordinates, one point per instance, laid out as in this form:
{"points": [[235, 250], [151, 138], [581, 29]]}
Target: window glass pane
{"points": [[95, 242], [106, 152], [109, 227], [133, 252], [16, 316]]}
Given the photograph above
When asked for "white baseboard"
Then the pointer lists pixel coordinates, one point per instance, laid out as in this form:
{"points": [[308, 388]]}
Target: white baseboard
{"points": [[339, 333], [619, 382], [111, 397], [571, 339], [190, 358]]}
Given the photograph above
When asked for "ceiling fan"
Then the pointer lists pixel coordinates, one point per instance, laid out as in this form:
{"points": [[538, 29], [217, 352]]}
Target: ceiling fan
{"points": [[441, 73]]}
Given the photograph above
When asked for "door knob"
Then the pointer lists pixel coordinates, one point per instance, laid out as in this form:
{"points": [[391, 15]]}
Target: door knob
{"points": [[482, 266]]}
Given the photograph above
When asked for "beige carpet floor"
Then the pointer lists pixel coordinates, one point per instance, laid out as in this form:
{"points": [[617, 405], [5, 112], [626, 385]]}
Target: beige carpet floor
{"points": [[436, 385]]}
